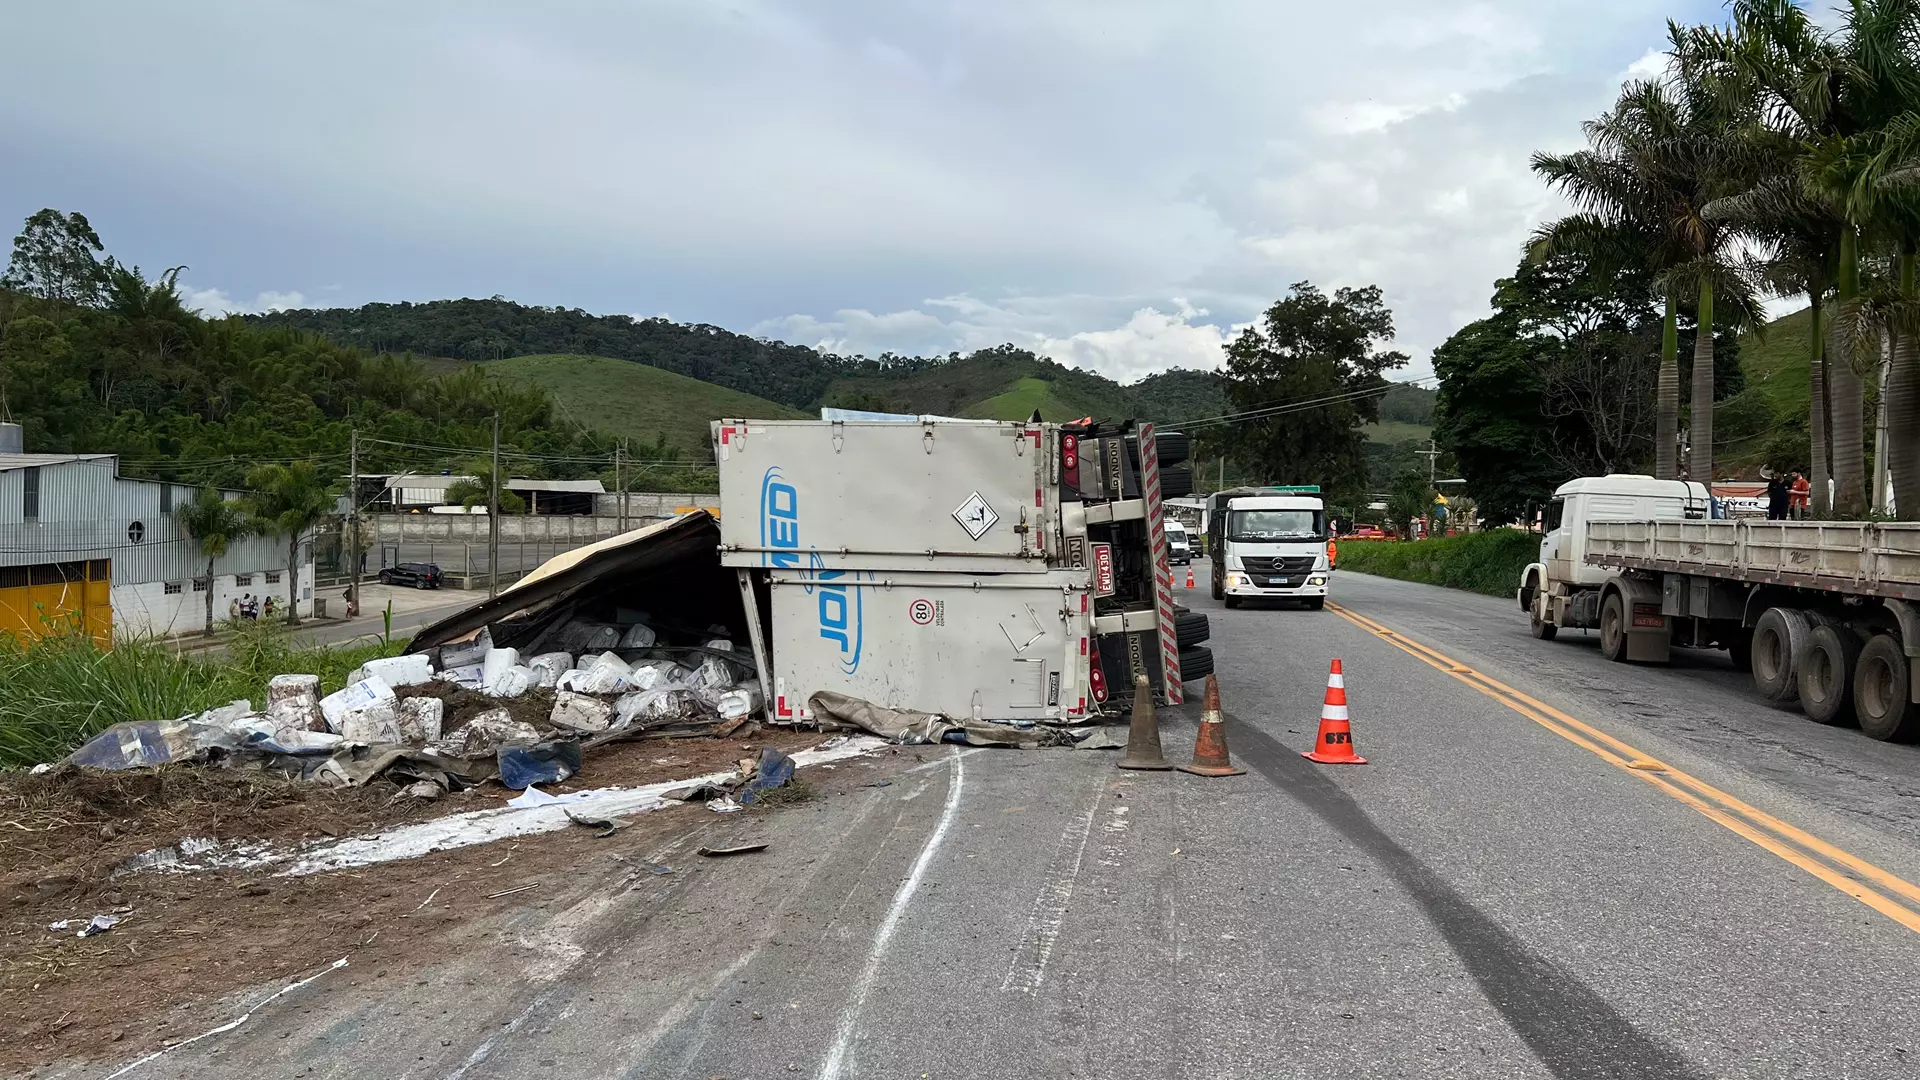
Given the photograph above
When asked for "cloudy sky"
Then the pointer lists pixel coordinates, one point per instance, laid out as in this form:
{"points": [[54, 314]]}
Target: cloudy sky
{"points": [[1116, 183]]}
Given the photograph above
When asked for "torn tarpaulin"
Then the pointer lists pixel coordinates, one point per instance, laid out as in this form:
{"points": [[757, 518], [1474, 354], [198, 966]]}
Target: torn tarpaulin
{"points": [[774, 769], [905, 726], [542, 763]]}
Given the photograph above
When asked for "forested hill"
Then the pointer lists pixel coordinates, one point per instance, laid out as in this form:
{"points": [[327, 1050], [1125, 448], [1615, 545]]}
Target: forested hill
{"points": [[479, 330], [997, 382]]}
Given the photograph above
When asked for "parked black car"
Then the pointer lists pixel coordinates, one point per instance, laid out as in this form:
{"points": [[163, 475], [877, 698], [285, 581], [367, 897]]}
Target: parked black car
{"points": [[420, 575]]}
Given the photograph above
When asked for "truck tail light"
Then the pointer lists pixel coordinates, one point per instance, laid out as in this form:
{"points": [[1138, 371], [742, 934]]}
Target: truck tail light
{"points": [[1070, 462], [1097, 678]]}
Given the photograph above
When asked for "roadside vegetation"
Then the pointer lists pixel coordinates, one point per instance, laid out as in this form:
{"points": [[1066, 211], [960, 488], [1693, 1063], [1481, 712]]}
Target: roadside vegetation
{"points": [[1487, 562], [59, 690]]}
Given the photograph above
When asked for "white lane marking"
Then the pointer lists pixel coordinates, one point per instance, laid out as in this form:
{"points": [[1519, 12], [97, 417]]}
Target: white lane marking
{"points": [[1050, 907], [850, 1016]]}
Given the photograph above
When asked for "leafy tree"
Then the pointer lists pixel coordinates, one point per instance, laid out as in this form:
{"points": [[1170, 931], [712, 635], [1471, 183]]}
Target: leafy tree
{"points": [[477, 488], [213, 522], [1307, 376], [55, 257], [288, 501], [1489, 416], [1409, 500]]}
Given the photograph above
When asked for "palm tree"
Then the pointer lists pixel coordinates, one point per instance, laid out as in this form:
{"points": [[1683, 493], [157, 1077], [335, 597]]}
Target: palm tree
{"points": [[213, 522], [1654, 163], [289, 500], [477, 491]]}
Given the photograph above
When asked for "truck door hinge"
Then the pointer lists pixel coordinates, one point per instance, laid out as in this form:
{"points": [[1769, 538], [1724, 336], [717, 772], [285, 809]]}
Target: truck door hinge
{"points": [[839, 435]]}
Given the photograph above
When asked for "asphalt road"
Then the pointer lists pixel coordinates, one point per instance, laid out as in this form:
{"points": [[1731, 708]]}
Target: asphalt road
{"points": [[1497, 894]]}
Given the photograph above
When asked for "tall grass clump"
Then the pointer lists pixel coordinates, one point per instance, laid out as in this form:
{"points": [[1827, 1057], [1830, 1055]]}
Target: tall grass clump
{"points": [[62, 688], [1487, 562]]}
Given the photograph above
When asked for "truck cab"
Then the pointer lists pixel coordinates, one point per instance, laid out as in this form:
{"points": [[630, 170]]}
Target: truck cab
{"points": [[1269, 546], [1561, 589]]}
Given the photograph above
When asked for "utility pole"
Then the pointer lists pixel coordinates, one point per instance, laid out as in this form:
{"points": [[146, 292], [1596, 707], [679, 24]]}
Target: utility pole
{"points": [[353, 521], [1432, 454], [493, 516], [620, 479]]}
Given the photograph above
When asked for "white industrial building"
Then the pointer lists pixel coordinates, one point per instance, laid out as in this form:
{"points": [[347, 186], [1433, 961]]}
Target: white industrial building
{"points": [[72, 527]]}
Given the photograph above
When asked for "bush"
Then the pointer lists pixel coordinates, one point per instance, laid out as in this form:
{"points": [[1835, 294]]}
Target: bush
{"points": [[1487, 562], [60, 690]]}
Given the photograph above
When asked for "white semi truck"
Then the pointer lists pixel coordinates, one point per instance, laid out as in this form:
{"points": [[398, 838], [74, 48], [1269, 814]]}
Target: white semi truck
{"points": [[1825, 613], [1269, 544]]}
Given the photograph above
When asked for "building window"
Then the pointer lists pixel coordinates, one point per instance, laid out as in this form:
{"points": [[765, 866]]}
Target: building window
{"points": [[173, 588], [13, 577], [100, 570], [166, 499], [200, 584], [242, 579], [273, 577], [30, 494], [137, 531]]}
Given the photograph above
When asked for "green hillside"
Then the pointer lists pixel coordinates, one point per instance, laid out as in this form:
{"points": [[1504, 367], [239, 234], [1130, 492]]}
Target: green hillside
{"points": [[1766, 423], [623, 398]]}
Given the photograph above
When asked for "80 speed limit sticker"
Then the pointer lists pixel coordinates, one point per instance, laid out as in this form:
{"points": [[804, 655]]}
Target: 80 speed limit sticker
{"points": [[921, 612]]}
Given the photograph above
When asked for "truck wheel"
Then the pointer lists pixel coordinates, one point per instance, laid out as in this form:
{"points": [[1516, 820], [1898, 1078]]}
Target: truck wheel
{"points": [[1826, 673], [1189, 628], [1778, 637], [1195, 663], [1216, 581], [1880, 690], [1542, 630], [1233, 601], [1316, 603], [1613, 628]]}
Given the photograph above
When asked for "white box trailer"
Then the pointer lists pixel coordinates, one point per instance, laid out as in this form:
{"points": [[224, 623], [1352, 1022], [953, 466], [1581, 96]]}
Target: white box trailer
{"points": [[954, 496], [984, 646]]}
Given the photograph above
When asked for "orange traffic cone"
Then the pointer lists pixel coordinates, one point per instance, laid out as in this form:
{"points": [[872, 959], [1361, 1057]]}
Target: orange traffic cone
{"points": [[1334, 744], [1210, 749], [1189, 576]]}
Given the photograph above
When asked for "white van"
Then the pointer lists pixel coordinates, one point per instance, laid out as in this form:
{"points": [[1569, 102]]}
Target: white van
{"points": [[1179, 545]]}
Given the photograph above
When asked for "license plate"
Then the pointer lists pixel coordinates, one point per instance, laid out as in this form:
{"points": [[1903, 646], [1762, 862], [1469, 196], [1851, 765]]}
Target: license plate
{"points": [[1280, 581]]}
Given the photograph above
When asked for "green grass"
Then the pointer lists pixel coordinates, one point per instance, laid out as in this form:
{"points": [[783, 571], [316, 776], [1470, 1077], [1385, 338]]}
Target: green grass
{"points": [[1055, 403], [623, 398], [1487, 562], [1778, 368], [58, 691]]}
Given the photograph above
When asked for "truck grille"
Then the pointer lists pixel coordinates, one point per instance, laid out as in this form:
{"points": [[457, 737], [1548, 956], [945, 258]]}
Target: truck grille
{"points": [[1288, 564]]}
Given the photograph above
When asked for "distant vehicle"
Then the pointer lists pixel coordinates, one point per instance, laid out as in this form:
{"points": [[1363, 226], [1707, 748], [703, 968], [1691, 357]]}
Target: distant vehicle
{"points": [[1269, 543], [420, 575], [1369, 532], [1179, 546]]}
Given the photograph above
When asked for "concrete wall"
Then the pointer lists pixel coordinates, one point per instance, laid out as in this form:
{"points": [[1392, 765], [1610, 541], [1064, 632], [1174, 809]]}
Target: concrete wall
{"points": [[643, 508], [146, 609]]}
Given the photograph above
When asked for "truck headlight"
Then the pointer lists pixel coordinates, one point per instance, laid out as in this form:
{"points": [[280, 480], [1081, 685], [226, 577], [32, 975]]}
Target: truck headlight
{"points": [[1236, 580], [1317, 579]]}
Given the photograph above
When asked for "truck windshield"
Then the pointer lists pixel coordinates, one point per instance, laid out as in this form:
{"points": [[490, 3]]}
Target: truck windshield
{"points": [[1260, 526]]}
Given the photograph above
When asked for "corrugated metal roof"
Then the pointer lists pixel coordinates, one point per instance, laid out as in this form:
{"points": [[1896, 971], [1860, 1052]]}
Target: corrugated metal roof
{"points": [[578, 487], [29, 461]]}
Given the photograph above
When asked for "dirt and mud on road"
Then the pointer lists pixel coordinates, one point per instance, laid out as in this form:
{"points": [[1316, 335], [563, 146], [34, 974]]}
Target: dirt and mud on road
{"points": [[190, 949]]}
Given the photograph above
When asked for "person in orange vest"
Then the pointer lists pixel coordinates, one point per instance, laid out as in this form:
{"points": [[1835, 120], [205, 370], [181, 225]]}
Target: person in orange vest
{"points": [[1333, 553]]}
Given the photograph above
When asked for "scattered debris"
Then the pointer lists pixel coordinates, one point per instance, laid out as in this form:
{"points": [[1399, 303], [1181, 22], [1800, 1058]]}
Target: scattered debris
{"points": [[773, 770], [99, 924], [908, 727], [735, 849], [516, 889], [607, 826], [231, 1024], [723, 805]]}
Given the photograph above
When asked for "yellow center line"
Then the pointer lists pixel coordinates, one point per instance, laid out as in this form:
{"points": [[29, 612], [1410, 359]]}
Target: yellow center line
{"points": [[1871, 884]]}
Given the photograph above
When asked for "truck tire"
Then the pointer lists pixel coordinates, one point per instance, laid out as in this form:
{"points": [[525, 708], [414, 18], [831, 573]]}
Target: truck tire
{"points": [[1778, 637], [1189, 628], [1233, 601], [1174, 447], [1545, 631], [1881, 691], [1176, 482], [1826, 667], [1315, 603], [1195, 663], [1613, 628], [1216, 579]]}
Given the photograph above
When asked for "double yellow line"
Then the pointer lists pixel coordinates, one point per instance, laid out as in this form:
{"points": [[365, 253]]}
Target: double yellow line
{"points": [[1890, 895]]}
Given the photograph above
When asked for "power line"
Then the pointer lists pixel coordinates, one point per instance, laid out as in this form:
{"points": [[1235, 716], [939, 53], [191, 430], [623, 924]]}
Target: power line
{"points": [[1283, 408]]}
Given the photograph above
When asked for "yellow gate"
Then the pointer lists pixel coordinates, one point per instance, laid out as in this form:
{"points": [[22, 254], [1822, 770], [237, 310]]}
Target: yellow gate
{"points": [[55, 598]]}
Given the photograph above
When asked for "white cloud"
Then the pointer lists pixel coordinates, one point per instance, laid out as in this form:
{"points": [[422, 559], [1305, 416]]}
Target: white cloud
{"points": [[1052, 172], [214, 303]]}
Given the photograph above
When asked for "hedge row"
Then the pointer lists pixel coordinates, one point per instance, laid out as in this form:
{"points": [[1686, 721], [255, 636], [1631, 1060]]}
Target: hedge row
{"points": [[1484, 562]]}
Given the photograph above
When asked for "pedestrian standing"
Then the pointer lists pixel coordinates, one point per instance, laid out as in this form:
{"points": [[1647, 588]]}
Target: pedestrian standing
{"points": [[1799, 497], [1778, 491]]}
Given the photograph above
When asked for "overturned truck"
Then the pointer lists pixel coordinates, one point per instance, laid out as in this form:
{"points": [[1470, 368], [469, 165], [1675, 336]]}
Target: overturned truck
{"points": [[980, 570]]}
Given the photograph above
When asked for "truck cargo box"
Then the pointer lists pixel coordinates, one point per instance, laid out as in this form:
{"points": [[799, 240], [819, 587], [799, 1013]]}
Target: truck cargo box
{"points": [[954, 496], [986, 646]]}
